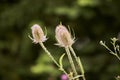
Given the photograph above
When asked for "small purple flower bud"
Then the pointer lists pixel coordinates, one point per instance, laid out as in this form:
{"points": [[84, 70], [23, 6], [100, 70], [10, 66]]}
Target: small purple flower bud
{"points": [[64, 77]]}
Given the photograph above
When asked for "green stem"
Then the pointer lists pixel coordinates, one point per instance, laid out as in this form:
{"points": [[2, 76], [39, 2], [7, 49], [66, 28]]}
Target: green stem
{"points": [[81, 67], [111, 52], [71, 62], [117, 57], [78, 62], [49, 54], [84, 77], [114, 47], [73, 52]]}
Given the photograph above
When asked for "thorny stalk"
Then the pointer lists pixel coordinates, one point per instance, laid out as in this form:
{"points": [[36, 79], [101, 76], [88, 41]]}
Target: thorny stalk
{"points": [[49, 54], [78, 62], [71, 62]]}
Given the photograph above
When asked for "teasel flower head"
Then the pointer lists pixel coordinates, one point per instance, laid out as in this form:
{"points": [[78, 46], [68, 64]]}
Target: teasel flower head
{"points": [[63, 36], [38, 34]]}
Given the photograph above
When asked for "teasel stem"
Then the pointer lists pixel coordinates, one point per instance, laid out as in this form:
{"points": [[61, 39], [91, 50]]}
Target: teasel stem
{"points": [[78, 62], [49, 54], [71, 62], [117, 56]]}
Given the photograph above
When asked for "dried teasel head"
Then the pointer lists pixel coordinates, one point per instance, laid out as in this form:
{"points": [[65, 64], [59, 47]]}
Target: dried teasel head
{"points": [[63, 36], [38, 34]]}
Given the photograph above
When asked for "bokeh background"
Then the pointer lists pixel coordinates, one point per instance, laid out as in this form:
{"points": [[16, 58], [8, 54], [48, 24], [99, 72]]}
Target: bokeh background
{"points": [[91, 20]]}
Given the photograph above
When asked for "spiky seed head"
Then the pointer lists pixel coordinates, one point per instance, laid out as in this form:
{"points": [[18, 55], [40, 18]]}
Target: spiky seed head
{"points": [[38, 34], [63, 36]]}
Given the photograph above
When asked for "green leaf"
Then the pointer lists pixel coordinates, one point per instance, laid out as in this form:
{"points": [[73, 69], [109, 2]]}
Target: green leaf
{"points": [[61, 59]]}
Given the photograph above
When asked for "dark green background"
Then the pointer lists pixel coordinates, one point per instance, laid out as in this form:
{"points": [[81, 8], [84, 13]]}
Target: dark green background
{"points": [[91, 20]]}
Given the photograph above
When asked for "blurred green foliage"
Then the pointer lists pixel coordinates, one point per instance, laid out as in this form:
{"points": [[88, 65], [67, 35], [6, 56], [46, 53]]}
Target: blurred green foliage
{"points": [[91, 20]]}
